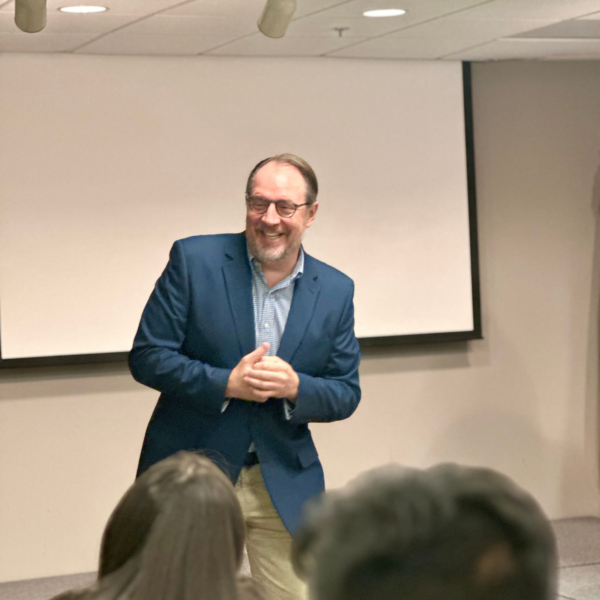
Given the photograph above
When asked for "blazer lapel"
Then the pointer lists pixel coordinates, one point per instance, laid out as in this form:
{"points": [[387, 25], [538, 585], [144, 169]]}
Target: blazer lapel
{"points": [[304, 301], [238, 282]]}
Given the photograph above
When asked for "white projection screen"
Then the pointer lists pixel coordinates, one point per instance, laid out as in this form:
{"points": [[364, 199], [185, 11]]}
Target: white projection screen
{"points": [[106, 161]]}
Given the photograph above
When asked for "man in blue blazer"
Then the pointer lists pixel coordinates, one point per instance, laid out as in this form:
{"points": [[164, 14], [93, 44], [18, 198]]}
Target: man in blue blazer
{"points": [[249, 339]]}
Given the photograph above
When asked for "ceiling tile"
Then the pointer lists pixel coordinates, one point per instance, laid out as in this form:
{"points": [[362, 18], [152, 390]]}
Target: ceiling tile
{"points": [[145, 44], [42, 42], [115, 7], [408, 48], [192, 25], [554, 10], [246, 8], [309, 7], [416, 10], [260, 45], [469, 28], [567, 29], [220, 8], [119, 7], [319, 25], [512, 49], [7, 24], [68, 23]]}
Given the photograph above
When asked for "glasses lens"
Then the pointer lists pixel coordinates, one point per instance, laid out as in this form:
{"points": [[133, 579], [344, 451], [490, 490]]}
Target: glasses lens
{"points": [[258, 205], [285, 208]]}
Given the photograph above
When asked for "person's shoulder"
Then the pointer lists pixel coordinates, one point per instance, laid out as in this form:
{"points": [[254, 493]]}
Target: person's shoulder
{"points": [[211, 248], [327, 274]]}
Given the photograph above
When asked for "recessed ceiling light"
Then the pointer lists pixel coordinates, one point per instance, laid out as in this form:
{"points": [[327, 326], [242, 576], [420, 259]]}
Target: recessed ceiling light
{"points": [[385, 12], [83, 9]]}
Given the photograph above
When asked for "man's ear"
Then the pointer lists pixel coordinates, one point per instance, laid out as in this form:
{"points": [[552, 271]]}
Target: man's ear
{"points": [[312, 213]]}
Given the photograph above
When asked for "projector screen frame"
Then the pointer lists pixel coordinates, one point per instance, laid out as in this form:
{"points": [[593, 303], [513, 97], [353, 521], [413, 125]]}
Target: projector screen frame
{"points": [[366, 342]]}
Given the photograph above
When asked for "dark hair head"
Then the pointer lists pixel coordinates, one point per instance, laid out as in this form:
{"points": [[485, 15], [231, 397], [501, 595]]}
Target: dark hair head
{"points": [[447, 533], [312, 186], [179, 530]]}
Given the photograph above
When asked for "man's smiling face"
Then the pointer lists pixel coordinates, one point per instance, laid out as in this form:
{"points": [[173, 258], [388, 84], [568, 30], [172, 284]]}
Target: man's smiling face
{"points": [[272, 238]]}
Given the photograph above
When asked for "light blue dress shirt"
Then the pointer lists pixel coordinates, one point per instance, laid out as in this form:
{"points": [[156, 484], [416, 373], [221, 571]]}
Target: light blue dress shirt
{"points": [[271, 310]]}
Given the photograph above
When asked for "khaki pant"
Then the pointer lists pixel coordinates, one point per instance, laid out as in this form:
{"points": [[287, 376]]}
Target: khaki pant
{"points": [[268, 542]]}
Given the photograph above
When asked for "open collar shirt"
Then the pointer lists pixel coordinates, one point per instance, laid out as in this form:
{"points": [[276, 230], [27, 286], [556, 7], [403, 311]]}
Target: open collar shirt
{"points": [[272, 305], [271, 311]]}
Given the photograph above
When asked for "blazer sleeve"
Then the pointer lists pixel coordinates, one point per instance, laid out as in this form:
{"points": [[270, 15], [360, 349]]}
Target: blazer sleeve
{"points": [[334, 395], [156, 359]]}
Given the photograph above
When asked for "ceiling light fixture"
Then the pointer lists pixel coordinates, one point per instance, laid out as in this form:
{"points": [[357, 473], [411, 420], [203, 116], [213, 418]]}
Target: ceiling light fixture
{"points": [[276, 17], [385, 12], [30, 15], [83, 10]]}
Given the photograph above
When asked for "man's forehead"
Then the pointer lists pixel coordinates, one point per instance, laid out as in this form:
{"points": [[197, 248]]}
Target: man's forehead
{"points": [[278, 171], [279, 178]]}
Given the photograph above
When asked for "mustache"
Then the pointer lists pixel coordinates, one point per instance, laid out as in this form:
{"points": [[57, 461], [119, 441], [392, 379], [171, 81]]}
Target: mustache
{"points": [[263, 230]]}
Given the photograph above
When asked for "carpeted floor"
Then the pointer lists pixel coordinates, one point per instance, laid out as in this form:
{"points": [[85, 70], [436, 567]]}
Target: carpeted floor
{"points": [[579, 553], [579, 575]]}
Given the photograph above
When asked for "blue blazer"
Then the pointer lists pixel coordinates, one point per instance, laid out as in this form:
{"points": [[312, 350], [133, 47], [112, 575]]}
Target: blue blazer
{"points": [[199, 323]]}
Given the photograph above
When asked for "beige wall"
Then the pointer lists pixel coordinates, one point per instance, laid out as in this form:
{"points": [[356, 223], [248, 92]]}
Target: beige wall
{"points": [[524, 400]]}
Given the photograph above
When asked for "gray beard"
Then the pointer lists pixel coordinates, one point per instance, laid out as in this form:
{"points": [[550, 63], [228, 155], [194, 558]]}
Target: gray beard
{"points": [[265, 256]]}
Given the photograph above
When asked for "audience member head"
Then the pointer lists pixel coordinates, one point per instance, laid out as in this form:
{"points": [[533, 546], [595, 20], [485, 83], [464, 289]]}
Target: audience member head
{"points": [[177, 534], [446, 533]]}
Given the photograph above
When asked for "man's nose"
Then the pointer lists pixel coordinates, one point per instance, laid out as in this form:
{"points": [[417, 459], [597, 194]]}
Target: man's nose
{"points": [[271, 217]]}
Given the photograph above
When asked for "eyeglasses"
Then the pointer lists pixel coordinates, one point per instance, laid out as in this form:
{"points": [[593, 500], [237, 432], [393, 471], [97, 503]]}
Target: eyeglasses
{"points": [[285, 208]]}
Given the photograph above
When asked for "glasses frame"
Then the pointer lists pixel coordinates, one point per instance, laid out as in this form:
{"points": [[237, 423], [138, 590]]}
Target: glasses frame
{"points": [[277, 204]]}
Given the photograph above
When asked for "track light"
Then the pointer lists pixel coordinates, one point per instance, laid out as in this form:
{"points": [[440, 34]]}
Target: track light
{"points": [[30, 15], [276, 17]]}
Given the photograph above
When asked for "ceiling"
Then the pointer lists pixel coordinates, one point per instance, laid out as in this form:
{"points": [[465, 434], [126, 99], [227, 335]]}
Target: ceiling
{"points": [[470, 30]]}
